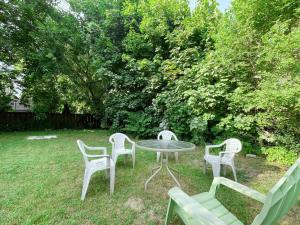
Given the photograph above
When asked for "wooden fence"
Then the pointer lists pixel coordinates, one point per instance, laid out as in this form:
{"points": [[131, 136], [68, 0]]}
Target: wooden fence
{"points": [[16, 121]]}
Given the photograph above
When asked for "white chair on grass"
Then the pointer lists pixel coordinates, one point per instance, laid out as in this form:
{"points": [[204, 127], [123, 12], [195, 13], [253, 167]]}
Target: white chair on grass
{"points": [[118, 147], [166, 135], [225, 158], [104, 162]]}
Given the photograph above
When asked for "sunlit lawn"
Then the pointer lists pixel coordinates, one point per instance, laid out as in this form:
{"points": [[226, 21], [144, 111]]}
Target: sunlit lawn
{"points": [[41, 181]]}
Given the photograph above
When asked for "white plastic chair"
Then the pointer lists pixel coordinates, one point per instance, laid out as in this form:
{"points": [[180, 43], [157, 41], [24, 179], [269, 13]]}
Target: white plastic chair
{"points": [[118, 147], [104, 162], [226, 158], [166, 135]]}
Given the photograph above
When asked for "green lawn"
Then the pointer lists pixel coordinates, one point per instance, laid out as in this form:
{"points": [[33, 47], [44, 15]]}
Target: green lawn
{"points": [[41, 181]]}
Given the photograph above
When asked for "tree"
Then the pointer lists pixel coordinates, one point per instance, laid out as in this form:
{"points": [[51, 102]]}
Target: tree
{"points": [[17, 21], [208, 75]]}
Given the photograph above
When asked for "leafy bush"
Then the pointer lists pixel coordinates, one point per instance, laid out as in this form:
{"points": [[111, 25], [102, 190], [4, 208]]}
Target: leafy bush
{"points": [[197, 129], [280, 155], [140, 124], [210, 75]]}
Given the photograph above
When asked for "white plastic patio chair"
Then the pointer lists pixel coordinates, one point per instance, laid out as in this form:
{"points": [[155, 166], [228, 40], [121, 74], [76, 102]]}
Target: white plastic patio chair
{"points": [[225, 158], [104, 162], [118, 147], [166, 135]]}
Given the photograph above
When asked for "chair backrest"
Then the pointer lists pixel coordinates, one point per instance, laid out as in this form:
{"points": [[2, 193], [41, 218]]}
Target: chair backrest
{"points": [[118, 141], [281, 197], [166, 135], [232, 145], [82, 150]]}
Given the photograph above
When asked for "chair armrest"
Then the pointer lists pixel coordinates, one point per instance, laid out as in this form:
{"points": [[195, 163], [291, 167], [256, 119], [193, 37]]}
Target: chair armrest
{"points": [[223, 153], [130, 141], [104, 149], [97, 156], [95, 148], [193, 208], [237, 187], [207, 147]]}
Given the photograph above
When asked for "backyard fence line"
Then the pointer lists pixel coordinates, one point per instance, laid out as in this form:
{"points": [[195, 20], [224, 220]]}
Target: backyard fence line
{"points": [[18, 121]]}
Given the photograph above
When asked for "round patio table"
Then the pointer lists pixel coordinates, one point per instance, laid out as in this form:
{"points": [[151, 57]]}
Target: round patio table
{"points": [[164, 147]]}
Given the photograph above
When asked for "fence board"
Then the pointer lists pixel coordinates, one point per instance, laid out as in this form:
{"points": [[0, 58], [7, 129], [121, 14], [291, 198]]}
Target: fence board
{"points": [[17, 121]]}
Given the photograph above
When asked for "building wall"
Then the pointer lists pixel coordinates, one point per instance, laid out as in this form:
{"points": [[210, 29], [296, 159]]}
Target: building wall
{"points": [[18, 107]]}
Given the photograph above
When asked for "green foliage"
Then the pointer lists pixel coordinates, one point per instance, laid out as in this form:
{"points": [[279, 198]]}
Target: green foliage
{"points": [[209, 75], [280, 155], [278, 94], [141, 125], [9, 78], [5, 97]]}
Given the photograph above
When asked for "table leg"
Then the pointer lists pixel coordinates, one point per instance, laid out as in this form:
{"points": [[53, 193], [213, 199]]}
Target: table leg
{"points": [[155, 168], [174, 178], [155, 173], [170, 172], [164, 161], [174, 170]]}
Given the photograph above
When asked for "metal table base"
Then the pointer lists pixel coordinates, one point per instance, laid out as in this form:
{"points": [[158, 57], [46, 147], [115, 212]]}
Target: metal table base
{"points": [[164, 162]]}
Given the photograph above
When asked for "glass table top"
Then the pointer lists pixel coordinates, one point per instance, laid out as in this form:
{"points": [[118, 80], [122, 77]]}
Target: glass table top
{"points": [[165, 146]]}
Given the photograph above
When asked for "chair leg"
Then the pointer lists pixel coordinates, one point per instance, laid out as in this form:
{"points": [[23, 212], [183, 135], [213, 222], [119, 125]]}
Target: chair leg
{"points": [[216, 169], [169, 212], [112, 180], [115, 158], [176, 157], [205, 166], [157, 156], [107, 173], [133, 160], [224, 170], [86, 181], [234, 173]]}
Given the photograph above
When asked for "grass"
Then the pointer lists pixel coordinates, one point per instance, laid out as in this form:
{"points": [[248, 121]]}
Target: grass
{"points": [[41, 181]]}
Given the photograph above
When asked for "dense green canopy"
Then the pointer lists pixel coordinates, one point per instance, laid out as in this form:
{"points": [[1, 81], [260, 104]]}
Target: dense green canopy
{"points": [[206, 74]]}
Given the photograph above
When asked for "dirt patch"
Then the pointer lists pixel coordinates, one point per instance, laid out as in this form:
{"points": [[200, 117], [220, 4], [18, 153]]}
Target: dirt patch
{"points": [[135, 204], [197, 163], [148, 216], [152, 216]]}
